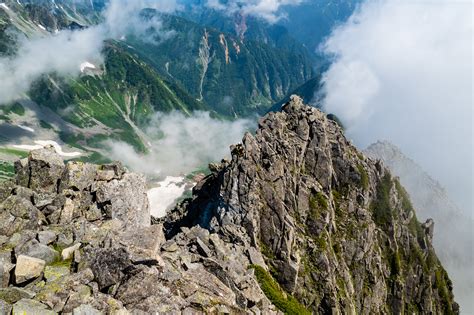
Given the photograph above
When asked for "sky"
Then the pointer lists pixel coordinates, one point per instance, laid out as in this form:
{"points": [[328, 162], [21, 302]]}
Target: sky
{"points": [[402, 72]]}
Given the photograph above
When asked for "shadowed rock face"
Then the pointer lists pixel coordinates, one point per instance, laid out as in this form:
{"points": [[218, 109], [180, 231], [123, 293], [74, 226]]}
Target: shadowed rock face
{"points": [[297, 199]]}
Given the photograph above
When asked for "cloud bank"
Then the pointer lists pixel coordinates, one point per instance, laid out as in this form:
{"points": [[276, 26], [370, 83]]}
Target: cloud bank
{"points": [[402, 72], [64, 52], [269, 10], [180, 144]]}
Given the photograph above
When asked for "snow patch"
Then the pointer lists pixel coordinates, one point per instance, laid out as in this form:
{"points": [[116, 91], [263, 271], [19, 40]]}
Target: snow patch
{"points": [[165, 195], [87, 65], [42, 27], [3, 5], [26, 128], [42, 143]]}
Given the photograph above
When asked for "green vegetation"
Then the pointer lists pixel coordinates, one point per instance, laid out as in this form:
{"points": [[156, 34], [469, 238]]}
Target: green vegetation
{"points": [[123, 99], [266, 251], [283, 301], [406, 203], [337, 197], [15, 152], [61, 263], [45, 125], [441, 284], [318, 200], [317, 205], [395, 264], [14, 108], [381, 209], [364, 177], [255, 76], [7, 170], [200, 170]]}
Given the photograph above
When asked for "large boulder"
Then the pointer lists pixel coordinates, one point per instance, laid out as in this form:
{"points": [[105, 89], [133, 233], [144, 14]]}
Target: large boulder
{"points": [[17, 214], [45, 170], [26, 306], [78, 176], [126, 200], [35, 249], [108, 265], [13, 294], [6, 267], [28, 268]]}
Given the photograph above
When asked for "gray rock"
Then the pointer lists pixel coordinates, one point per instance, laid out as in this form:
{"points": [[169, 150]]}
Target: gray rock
{"points": [[22, 172], [25, 306], [296, 197], [28, 268], [86, 310], [12, 294], [52, 273], [6, 267], [301, 193], [143, 244], [34, 249], [17, 214], [46, 168], [6, 189], [203, 248], [256, 257], [79, 176], [68, 253], [65, 239], [5, 308], [108, 265], [46, 237], [128, 200], [109, 172], [41, 200]]}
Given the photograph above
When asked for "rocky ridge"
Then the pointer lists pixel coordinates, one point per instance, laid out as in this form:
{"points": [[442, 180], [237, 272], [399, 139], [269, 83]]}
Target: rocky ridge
{"points": [[453, 234], [297, 222]]}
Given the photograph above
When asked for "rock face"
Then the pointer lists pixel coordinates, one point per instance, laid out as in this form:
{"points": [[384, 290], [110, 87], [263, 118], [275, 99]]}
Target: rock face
{"points": [[336, 229], [453, 232], [81, 241], [297, 222]]}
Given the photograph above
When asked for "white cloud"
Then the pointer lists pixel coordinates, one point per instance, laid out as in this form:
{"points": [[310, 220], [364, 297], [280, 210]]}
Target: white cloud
{"points": [[403, 72], [180, 144], [270, 10], [122, 17]]}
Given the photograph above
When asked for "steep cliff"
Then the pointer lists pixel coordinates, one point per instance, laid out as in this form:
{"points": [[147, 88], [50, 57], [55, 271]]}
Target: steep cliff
{"points": [[453, 233], [297, 222], [337, 230]]}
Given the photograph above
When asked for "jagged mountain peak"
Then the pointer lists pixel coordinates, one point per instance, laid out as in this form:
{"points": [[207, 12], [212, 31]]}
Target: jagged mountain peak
{"points": [[298, 221], [336, 229]]}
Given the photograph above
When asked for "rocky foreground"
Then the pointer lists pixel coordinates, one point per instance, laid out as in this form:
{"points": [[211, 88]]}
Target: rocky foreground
{"points": [[297, 222]]}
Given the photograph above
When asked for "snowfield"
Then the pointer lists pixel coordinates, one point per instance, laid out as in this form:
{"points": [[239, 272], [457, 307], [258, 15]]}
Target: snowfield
{"points": [[165, 195], [87, 65], [26, 128], [42, 143]]}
